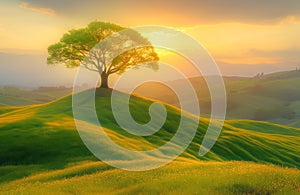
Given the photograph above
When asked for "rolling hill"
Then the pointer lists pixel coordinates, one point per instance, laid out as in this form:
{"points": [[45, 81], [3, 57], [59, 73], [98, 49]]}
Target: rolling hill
{"points": [[41, 152], [14, 96], [273, 97]]}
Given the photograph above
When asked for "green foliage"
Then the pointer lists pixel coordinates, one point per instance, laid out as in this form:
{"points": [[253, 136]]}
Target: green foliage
{"points": [[75, 45], [81, 46]]}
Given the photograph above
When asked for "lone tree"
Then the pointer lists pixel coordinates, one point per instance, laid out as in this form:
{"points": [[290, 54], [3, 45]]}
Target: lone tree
{"points": [[80, 47]]}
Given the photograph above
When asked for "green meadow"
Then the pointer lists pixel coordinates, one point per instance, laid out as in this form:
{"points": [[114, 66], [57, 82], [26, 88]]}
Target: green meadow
{"points": [[41, 152], [179, 177]]}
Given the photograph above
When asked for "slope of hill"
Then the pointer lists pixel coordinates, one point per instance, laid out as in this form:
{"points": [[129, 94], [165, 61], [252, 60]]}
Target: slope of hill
{"points": [[274, 97], [240, 140], [40, 143]]}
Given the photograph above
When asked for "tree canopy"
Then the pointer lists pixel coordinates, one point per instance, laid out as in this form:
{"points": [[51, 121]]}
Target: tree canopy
{"points": [[126, 49]]}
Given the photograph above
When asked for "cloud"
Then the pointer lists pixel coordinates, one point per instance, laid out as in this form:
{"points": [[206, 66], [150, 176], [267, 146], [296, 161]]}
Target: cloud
{"points": [[291, 19], [42, 10], [282, 56], [169, 12]]}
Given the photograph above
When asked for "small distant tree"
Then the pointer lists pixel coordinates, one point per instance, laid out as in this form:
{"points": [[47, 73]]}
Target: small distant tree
{"points": [[76, 48]]}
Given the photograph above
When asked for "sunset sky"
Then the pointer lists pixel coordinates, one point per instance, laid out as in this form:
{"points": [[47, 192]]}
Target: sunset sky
{"points": [[237, 33]]}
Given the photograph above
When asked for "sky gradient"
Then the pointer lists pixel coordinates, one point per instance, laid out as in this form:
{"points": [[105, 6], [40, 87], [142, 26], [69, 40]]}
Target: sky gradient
{"points": [[263, 35]]}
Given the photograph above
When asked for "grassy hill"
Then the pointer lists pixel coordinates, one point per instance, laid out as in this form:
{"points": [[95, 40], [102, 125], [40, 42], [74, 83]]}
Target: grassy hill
{"points": [[180, 177], [274, 97], [41, 151]]}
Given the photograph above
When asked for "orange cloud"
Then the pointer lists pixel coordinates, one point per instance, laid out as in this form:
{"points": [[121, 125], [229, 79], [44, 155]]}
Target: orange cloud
{"points": [[42, 10]]}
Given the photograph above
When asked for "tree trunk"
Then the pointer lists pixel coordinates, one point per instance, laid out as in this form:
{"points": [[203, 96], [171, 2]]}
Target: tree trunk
{"points": [[104, 80]]}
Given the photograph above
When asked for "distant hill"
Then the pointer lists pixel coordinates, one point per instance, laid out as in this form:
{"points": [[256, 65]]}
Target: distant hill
{"points": [[14, 96], [273, 97]]}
